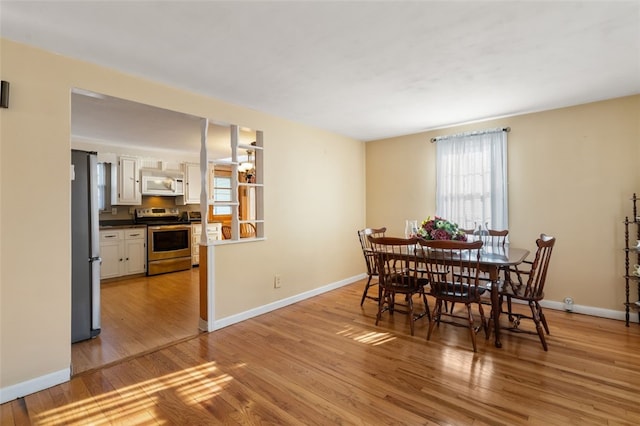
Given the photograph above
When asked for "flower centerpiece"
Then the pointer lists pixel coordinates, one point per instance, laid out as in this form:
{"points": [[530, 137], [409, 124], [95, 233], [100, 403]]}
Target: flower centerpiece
{"points": [[437, 228]]}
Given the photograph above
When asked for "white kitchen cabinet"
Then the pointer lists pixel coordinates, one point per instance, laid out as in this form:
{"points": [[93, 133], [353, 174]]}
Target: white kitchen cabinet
{"points": [[135, 251], [112, 253], [214, 232], [123, 252], [129, 181], [193, 185]]}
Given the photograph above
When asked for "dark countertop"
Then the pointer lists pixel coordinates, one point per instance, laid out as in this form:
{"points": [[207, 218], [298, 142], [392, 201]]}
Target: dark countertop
{"points": [[111, 224]]}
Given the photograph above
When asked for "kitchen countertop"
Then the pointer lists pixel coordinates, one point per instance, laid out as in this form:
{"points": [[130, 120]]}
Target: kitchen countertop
{"points": [[118, 224]]}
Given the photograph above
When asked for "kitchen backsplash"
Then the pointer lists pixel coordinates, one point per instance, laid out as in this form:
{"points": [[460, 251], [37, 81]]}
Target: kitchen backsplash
{"points": [[122, 212]]}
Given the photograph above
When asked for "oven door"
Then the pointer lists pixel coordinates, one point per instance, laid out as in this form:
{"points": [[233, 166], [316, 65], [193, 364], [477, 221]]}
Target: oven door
{"points": [[168, 242]]}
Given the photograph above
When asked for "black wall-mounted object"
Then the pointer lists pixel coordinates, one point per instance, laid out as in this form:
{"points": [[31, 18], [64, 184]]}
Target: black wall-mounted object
{"points": [[4, 94]]}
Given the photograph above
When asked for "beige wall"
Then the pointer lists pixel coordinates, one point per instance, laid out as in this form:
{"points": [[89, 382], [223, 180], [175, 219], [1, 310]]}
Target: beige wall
{"points": [[571, 174], [314, 202], [313, 211]]}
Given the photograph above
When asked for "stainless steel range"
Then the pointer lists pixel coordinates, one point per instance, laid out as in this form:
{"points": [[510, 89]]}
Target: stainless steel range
{"points": [[168, 240]]}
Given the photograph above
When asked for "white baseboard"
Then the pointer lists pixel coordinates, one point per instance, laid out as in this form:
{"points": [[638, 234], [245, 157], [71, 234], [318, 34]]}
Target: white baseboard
{"points": [[550, 304], [203, 325], [227, 321], [19, 390], [585, 310]]}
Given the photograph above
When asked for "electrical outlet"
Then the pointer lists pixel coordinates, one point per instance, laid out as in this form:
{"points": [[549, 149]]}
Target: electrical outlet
{"points": [[276, 281], [568, 304], [114, 211]]}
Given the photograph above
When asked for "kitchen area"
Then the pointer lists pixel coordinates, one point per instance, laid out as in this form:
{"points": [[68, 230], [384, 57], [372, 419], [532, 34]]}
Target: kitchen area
{"points": [[144, 278], [161, 234]]}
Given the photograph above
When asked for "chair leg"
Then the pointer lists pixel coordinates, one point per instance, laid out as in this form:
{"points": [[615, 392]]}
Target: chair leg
{"points": [[471, 329], [509, 309], [536, 319], [542, 318], [426, 305], [490, 324], [436, 318], [366, 289], [411, 319], [381, 302], [484, 321]]}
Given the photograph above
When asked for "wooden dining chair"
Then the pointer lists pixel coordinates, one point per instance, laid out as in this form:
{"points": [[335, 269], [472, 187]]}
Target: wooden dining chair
{"points": [[494, 238], [399, 275], [528, 286], [489, 237], [497, 237], [247, 230], [370, 260], [453, 273]]}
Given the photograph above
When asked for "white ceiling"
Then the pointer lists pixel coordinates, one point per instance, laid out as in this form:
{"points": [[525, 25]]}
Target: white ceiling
{"points": [[364, 69]]}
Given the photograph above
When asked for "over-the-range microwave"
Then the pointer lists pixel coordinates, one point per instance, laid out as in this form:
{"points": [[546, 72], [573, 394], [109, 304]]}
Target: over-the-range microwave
{"points": [[162, 182]]}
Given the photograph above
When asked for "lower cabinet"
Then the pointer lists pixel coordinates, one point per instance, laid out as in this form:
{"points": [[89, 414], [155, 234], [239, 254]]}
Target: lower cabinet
{"points": [[123, 252], [214, 232]]}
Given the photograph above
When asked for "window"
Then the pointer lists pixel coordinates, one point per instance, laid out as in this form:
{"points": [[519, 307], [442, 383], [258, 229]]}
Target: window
{"points": [[222, 192], [471, 179], [103, 177]]}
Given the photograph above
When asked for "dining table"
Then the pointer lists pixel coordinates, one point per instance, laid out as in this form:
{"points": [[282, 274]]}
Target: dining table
{"points": [[493, 259]]}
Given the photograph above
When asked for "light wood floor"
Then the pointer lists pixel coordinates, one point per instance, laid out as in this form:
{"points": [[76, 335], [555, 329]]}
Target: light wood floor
{"points": [[322, 361], [139, 315]]}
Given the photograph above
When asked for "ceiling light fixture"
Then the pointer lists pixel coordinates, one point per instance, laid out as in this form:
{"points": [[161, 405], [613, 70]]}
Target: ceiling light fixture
{"points": [[248, 167]]}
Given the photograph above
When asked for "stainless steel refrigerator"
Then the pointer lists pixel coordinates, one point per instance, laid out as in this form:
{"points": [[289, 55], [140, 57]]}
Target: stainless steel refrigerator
{"points": [[85, 247]]}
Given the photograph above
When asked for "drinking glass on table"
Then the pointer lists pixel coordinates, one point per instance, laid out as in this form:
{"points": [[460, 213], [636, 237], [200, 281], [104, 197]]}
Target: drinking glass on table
{"points": [[410, 228]]}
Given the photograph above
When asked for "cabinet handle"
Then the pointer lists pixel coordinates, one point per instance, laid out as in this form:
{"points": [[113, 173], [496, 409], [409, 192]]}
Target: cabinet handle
{"points": [[120, 259], [133, 235], [109, 236]]}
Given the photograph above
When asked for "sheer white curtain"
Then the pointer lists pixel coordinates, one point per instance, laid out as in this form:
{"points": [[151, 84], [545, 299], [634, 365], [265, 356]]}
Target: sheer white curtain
{"points": [[471, 179]]}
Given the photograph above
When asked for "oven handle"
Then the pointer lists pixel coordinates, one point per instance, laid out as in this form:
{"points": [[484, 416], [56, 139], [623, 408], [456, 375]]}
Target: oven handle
{"points": [[169, 227]]}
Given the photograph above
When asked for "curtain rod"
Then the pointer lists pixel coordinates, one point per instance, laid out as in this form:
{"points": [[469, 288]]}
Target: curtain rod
{"points": [[479, 132]]}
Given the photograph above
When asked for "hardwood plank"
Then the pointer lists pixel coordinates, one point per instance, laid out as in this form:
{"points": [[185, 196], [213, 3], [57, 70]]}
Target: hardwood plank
{"points": [[15, 413], [322, 361], [6, 413]]}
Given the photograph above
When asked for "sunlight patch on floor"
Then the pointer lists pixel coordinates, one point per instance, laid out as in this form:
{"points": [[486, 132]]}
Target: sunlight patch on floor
{"points": [[369, 337], [473, 368], [125, 404]]}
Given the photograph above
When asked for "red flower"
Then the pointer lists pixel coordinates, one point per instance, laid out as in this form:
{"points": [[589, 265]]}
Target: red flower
{"points": [[440, 234]]}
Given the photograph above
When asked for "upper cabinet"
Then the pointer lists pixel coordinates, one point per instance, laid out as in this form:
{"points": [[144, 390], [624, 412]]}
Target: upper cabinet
{"points": [[129, 181], [192, 185]]}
